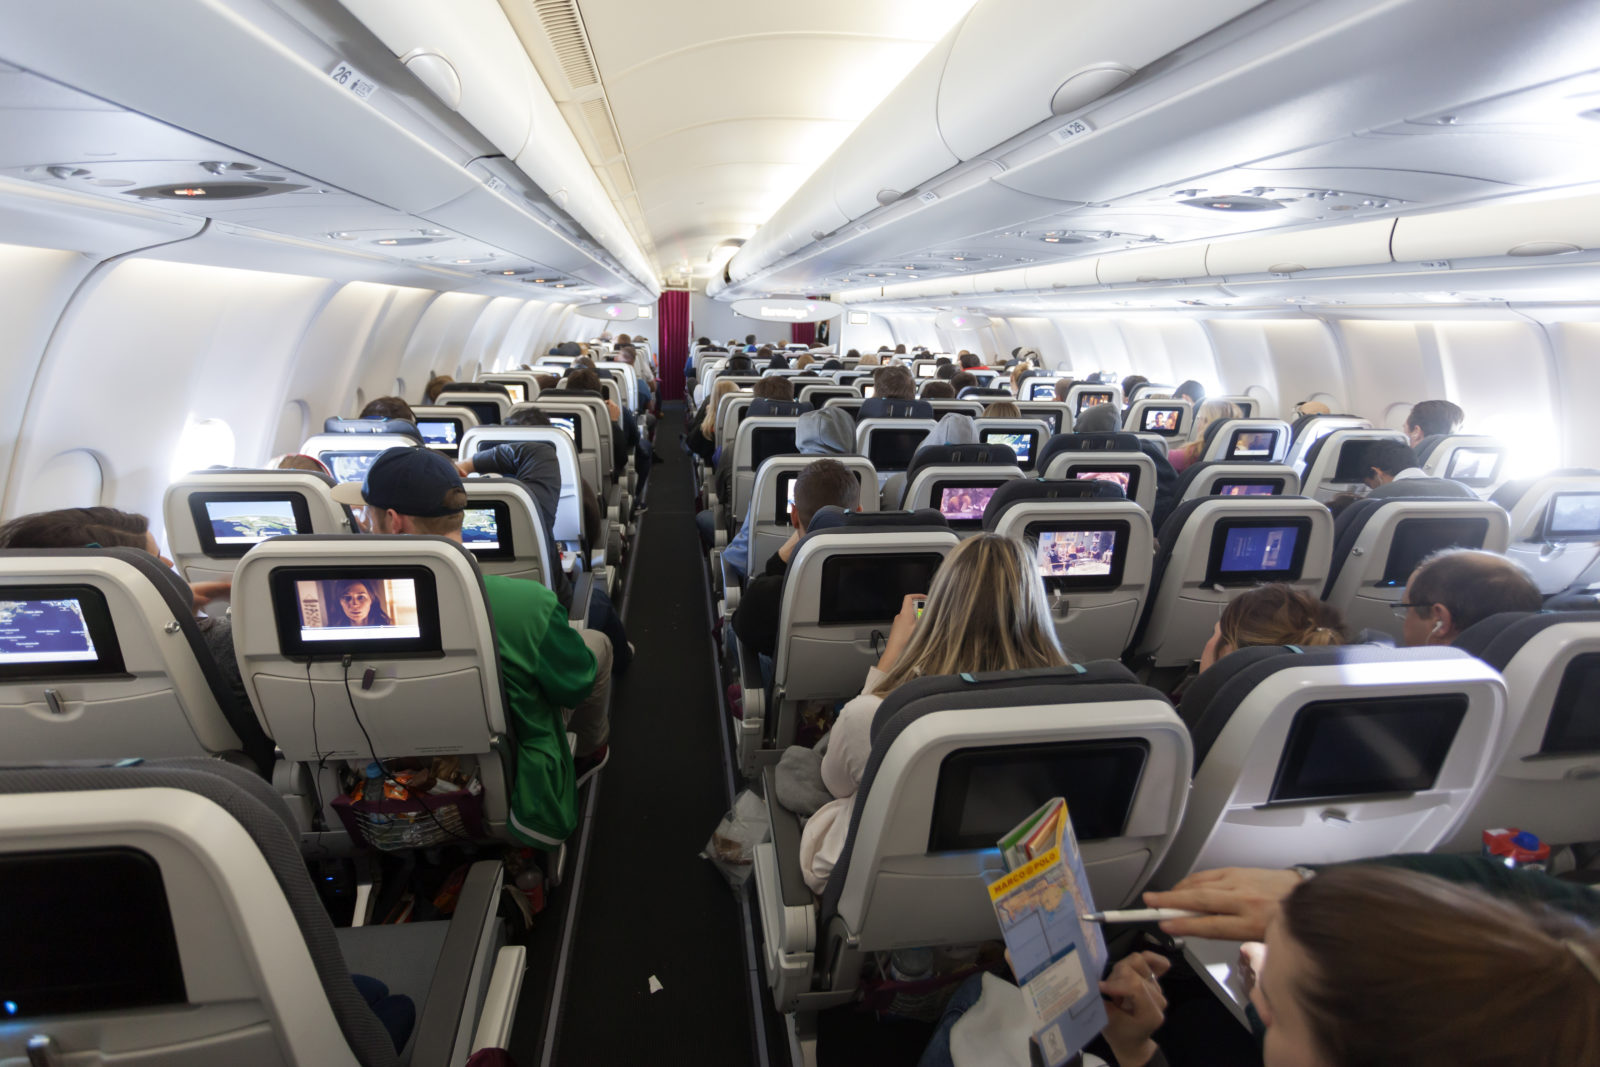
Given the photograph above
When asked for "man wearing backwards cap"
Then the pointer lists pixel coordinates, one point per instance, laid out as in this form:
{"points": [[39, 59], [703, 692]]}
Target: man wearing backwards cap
{"points": [[546, 665]]}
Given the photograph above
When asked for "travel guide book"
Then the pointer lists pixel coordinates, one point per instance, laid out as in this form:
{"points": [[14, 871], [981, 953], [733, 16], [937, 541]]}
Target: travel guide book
{"points": [[1056, 955]]}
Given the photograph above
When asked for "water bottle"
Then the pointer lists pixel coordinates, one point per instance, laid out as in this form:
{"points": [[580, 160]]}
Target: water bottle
{"points": [[372, 793], [913, 965]]}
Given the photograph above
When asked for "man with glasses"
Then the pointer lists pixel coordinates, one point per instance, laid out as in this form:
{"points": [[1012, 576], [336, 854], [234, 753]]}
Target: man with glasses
{"points": [[1452, 589]]}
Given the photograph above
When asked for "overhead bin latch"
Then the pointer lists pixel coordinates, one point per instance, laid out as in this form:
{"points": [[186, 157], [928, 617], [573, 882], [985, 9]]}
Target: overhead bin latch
{"points": [[1087, 86]]}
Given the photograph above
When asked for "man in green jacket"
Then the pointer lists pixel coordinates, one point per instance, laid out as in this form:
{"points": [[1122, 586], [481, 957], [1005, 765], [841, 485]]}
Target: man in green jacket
{"points": [[546, 665]]}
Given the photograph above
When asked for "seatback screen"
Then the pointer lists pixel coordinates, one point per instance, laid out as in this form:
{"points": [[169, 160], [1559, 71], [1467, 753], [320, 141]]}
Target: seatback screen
{"points": [[984, 792], [1090, 400], [1352, 465], [1247, 487], [1573, 515], [927, 370], [518, 391], [349, 466], [1161, 420], [486, 530], [443, 435], [487, 411], [1125, 478], [1416, 539], [1574, 725], [963, 504], [1019, 441], [1079, 556], [857, 589], [1252, 444], [1474, 466], [50, 631], [769, 441], [229, 524], [1051, 417], [892, 449], [1345, 748], [1247, 551], [1042, 389], [327, 612]]}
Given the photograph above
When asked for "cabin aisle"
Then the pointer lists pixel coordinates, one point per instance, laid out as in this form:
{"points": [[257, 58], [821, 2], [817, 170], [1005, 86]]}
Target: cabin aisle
{"points": [[648, 904]]}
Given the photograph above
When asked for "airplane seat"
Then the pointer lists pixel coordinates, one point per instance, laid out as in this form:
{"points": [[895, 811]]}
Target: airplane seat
{"points": [[1324, 755], [1251, 406], [1086, 395], [590, 426], [426, 683], [945, 455], [1025, 437], [1307, 430], [1097, 455], [1247, 441], [1056, 415], [882, 407], [490, 403], [891, 444], [1337, 461], [949, 477], [1096, 605], [1224, 477], [1149, 391], [521, 386], [223, 950], [443, 426], [1172, 419], [1545, 774], [1471, 459], [335, 424], [568, 531], [1058, 444], [818, 395], [758, 438], [503, 531], [348, 455], [846, 582], [850, 404], [942, 407], [762, 407], [1378, 543], [956, 762], [1212, 549], [1555, 527], [107, 661]]}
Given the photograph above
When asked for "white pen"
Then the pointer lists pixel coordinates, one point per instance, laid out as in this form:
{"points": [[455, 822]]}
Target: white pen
{"points": [[1142, 915]]}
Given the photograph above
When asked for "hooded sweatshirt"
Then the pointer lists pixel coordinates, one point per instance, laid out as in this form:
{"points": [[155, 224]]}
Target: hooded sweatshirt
{"points": [[826, 432]]}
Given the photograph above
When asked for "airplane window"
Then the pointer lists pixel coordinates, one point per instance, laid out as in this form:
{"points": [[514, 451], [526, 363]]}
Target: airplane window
{"points": [[204, 443]]}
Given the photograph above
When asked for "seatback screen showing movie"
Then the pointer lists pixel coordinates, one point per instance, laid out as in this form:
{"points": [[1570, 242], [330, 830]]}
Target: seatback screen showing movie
{"points": [[1091, 400], [49, 631], [328, 612], [858, 589], [518, 391], [229, 524], [963, 505], [1474, 466], [1416, 539], [486, 530], [1125, 478], [1252, 444], [442, 435], [572, 426], [1051, 417], [349, 466], [1247, 487], [1162, 420], [1345, 748], [927, 370], [1080, 556], [1247, 551], [1573, 516], [1020, 442], [1042, 389]]}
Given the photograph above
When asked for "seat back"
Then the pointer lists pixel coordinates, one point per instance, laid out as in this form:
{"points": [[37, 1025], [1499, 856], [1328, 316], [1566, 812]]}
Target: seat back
{"points": [[1095, 556], [521, 386], [730, 410], [1133, 471], [844, 403], [1056, 416], [1083, 396], [942, 407], [1171, 419], [1336, 463], [1025, 437], [1555, 526], [1040, 385], [956, 762], [1471, 459], [106, 661], [773, 495], [334, 424], [1252, 407], [211, 946], [891, 443], [585, 422], [1378, 543], [1211, 550], [491, 403], [1222, 478], [348, 455], [443, 426], [568, 530], [503, 531], [1545, 775], [1247, 441], [214, 516], [1149, 390], [959, 491], [425, 683], [821, 393], [1307, 430], [758, 439], [627, 379], [1332, 754]]}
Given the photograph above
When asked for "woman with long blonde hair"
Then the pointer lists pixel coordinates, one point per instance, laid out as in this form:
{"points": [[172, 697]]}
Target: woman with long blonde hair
{"points": [[987, 611], [1210, 411]]}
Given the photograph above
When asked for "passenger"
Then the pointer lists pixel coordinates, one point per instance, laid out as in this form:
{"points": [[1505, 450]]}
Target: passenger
{"points": [[1005, 409], [853, 354], [804, 360], [779, 389], [436, 385], [1129, 384], [1101, 418], [546, 664], [388, 407], [1209, 413], [1064, 389], [1432, 418], [890, 384], [546, 382], [969, 361], [937, 390], [825, 432], [1273, 614], [1452, 589], [1393, 470], [297, 461], [963, 380], [1340, 502], [822, 483], [1190, 390], [945, 371], [1312, 407], [987, 611], [899, 350], [868, 360]]}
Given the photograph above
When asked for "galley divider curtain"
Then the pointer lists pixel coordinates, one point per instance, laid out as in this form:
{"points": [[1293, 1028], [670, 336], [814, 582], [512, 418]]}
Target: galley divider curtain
{"points": [[672, 312]]}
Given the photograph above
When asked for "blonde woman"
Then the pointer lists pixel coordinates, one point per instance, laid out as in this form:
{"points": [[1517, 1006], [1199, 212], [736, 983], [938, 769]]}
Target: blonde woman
{"points": [[987, 611], [1210, 412], [702, 436], [1275, 614], [1002, 409]]}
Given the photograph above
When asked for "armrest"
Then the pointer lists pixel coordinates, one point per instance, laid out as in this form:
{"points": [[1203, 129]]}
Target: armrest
{"points": [[732, 586], [500, 1002], [785, 843], [440, 1020], [582, 593], [752, 688]]}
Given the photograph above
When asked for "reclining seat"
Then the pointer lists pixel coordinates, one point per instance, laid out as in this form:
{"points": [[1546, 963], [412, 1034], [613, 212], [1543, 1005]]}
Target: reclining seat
{"points": [[820, 393], [1079, 395], [1116, 457], [503, 531], [891, 444], [1336, 462], [569, 533], [223, 952], [1555, 526], [443, 426], [1149, 415], [845, 585], [759, 437], [939, 467], [489, 401], [628, 380], [956, 762], [1025, 437], [1096, 611], [512, 379], [849, 403], [1323, 755], [334, 424], [1545, 771], [1212, 550], [1057, 416], [594, 441], [1230, 478], [428, 686], [1471, 459], [349, 455], [770, 527], [1247, 441], [882, 407], [940, 407], [1251, 405], [1378, 543], [130, 676], [214, 516], [1307, 430]]}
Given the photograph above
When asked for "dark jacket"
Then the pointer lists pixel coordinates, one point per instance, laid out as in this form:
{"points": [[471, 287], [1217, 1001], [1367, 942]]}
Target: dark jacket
{"points": [[536, 466], [756, 619]]}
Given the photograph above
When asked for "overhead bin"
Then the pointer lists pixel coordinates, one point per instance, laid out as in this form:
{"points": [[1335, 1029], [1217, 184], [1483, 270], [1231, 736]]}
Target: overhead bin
{"points": [[1154, 265], [1525, 229], [1309, 249], [1068, 275]]}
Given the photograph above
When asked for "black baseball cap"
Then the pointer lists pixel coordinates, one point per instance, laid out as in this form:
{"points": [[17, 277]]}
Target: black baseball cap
{"points": [[412, 481]]}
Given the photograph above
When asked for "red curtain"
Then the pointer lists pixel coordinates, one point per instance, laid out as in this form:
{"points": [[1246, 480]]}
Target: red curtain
{"points": [[672, 312], [803, 333]]}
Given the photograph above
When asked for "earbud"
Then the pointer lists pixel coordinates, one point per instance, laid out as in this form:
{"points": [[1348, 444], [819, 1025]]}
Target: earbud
{"points": [[1437, 626]]}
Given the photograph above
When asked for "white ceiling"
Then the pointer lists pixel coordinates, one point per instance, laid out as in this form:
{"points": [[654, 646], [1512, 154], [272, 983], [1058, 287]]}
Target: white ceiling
{"points": [[724, 107]]}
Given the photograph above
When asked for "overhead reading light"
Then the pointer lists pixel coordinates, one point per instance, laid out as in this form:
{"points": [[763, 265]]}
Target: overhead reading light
{"points": [[217, 167], [211, 191], [406, 242], [1543, 248], [1233, 203]]}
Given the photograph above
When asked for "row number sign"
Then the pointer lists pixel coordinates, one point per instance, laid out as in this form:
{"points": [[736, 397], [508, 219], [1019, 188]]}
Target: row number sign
{"points": [[352, 79]]}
